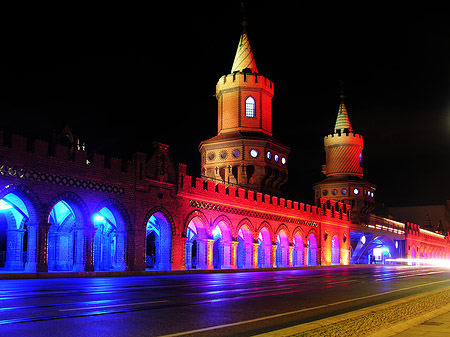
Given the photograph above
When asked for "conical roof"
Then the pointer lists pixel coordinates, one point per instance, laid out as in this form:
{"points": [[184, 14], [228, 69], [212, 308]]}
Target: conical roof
{"points": [[244, 56], [342, 121]]}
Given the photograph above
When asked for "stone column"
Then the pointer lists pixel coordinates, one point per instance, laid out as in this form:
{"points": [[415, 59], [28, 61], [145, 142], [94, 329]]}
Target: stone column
{"points": [[136, 249], [89, 241], [290, 257], [120, 263], [209, 253], [79, 249], [42, 255], [255, 255], [31, 265], [188, 255], [227, 262], [14, 252], [234, 245], [274, 255]]}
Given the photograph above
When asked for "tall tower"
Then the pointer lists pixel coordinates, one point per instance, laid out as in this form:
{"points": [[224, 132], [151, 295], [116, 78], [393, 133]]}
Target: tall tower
{"points": [[244, 152], [344, 168]]}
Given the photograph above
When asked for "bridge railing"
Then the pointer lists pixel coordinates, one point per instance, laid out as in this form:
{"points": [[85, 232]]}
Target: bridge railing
{"points": [[379, 223]]}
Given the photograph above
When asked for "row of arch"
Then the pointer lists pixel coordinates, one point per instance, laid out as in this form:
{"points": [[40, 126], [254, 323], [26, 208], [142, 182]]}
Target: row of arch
{"points": [[76, 240], [79, 240]]}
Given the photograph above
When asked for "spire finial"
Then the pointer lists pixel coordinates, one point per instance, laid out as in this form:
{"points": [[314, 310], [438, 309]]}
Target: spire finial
{"points": [[244, 19], [341, 85], [342, 121], [244, 59]]}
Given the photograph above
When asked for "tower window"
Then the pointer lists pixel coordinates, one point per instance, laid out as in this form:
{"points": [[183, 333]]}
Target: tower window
{"points": [[250, 107]]}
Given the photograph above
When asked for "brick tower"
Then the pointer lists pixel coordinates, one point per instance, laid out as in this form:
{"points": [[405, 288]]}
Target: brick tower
{"points": [[244, 153], [344, 168]]}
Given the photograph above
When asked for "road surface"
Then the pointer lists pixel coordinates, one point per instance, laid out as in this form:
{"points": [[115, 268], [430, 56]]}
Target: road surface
{"points": [[224, 304]]}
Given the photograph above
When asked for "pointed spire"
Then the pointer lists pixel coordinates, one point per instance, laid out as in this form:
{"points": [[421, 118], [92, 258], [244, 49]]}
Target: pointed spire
{"points": [[342, 121], [244, 56]]}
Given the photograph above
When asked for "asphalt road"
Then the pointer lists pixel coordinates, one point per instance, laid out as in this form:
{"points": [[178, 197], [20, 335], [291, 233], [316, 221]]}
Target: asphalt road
{"points": [[228, 304]]}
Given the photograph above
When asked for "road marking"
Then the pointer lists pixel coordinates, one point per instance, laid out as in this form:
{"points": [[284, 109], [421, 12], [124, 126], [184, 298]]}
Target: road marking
{"points": [[299, 311], [111, 306]]}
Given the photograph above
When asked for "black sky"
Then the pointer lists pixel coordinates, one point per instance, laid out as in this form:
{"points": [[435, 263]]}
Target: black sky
{"points": [[124, 77]]}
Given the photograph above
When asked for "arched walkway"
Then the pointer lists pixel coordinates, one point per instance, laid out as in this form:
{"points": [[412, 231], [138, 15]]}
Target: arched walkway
{"points": [[196, 244], [312, 256], [335, 251], [298, 253], [15, 213], [109, 240], [244, 258], [158, 249], [65, 239], [282, 252]]}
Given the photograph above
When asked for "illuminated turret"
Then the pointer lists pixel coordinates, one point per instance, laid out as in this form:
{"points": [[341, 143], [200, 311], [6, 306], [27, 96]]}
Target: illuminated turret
{"points": [[243, 152], [344, 167]]}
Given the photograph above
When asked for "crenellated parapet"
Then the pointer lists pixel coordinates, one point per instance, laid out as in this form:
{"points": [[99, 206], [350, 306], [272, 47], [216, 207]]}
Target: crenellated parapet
{"points": [[244, 79], [209, 194], [42, 161]]}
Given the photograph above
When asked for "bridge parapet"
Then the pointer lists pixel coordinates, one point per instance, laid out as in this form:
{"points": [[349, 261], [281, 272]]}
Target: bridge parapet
{"points": [[24, 150], [240, 197]]}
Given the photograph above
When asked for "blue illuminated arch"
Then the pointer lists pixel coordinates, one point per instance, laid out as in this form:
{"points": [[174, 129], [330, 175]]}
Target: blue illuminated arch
{"points": [[335, 251], [282, 251], [298, 259], [68, 218], [312, 256], [244, 250], [158, 242]]}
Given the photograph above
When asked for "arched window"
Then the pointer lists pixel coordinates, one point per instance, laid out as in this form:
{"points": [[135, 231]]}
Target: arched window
{"points": [[250, 107]]}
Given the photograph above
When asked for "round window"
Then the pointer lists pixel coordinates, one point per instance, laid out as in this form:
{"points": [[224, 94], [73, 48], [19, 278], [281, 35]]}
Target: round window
{"points": [[254, 153], [283, 160], [344, 191], [236, 153], [355, 191], [324, 192], [334, 192], [269, 155], [211, 156], [223, 154], [276, 158]]}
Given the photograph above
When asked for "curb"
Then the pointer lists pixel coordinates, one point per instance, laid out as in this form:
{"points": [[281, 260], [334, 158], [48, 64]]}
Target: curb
{"points": [[45, 275], [364, 321]]}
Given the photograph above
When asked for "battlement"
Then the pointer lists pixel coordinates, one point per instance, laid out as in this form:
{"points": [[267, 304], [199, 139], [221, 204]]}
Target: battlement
{"points": [[343, 138], [47, 153], [413, 229], [244, 79], [214, 192]]}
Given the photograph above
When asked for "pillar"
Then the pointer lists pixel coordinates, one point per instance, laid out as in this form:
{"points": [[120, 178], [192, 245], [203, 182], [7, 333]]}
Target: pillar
{"points": [[274, 256], [89, 241], [120, 262], [42, 253], [234, 245], [14, 250], [79, 249], [32, 248], [227, 255], [135, 249], [290, 257], [209, 253], [255, 255]]}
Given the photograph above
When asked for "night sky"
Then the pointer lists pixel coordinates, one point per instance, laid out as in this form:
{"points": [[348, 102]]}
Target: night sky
{"points": [[125, 77]]}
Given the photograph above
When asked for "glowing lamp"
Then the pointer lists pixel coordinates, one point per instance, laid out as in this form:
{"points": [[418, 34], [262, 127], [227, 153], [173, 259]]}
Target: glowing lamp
{"points": [[363, 240], [99, 218], [4, 205]]}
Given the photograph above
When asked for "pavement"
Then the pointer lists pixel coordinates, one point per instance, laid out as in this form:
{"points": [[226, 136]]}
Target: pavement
{"points": [[419, 315]]}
